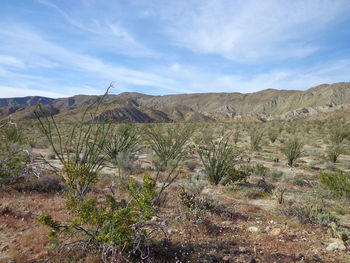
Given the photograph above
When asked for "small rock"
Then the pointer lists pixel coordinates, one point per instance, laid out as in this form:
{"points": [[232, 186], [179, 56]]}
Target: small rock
{"points": [[253, 229], [337, 244], [275, 231], [242, 249], [5, 248], [227, 258], [172, 231], [208, 191], [225, 223]]}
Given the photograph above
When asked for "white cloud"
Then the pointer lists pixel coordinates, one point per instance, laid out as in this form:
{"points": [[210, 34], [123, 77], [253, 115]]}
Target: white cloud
{"points": [[115, 37], [253, 29], [11, 61], [8, 92]]}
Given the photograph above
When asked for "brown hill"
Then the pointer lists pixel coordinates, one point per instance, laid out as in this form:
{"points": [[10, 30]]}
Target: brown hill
{"points": [[137, 107]]}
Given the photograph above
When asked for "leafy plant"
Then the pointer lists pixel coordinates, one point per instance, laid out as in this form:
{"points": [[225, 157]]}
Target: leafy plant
{"points": [[218, 158], [124, 140], [168, 143], [338, 183], [85, 142], [334, 151], [272, 134], [14, 156], [255, 138], [292, 149], [311, 214]]}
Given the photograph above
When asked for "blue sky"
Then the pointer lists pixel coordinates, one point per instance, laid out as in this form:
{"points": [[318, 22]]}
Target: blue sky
{"points": [[62, 48]]}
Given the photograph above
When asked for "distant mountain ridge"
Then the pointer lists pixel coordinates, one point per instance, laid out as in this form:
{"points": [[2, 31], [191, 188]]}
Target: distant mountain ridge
{"points": [[136, 107]]}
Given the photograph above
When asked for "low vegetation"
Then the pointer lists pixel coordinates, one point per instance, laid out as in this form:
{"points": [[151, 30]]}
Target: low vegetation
{"points": [[173, 192]]}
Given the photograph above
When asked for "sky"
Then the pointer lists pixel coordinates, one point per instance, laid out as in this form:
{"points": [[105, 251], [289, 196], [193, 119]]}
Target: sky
{"points": [[60, 48]]}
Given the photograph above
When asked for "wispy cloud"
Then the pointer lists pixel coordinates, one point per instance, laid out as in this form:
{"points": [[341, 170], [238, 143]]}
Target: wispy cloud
{"points": [[161, 47], [114, 36], [251, 30]]}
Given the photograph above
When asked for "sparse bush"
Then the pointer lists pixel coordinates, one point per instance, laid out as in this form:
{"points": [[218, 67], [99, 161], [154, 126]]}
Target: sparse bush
{"points": [[338, 183], [338, 134], [275, 174], [14, 156], [168, 142], [236, 136], [218, 159], [255, 138], [112, 226], [334, 151], [261, 170], [121, 143], [168, 145], [338, 231], [238, 175], [292, 149], [311, 214], [272, 134]]}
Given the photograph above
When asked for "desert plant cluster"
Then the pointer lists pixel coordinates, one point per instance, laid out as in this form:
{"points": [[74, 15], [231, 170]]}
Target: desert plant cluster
{"points": [[244, 191]]}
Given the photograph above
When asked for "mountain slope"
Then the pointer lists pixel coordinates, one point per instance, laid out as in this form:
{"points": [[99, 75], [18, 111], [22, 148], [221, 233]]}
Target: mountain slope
{"points": [[137, 107]]}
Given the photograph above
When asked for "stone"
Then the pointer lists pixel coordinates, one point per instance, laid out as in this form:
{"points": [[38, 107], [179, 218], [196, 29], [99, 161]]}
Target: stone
{"points": [[5, 248], [242, 249], [227, 259], [275, 231], [253, 229], [336, 244]]}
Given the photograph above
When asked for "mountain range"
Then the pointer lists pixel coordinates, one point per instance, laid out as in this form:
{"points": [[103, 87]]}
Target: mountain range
{"points": [[264, 105]]}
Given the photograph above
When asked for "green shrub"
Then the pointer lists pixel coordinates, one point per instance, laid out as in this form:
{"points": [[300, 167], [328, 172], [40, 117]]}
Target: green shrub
{"points": [[121, 142], [14, 156], [218, 158], [237, 174], [292, 149], [338, 183], [112, 223], [338, 133], [168, 142], [275, 174], [333, 151], [311, 214], [255, 138], [272, 134]]}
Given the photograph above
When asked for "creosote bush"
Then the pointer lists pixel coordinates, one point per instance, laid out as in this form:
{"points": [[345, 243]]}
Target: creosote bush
{"points": [[292, 149]]}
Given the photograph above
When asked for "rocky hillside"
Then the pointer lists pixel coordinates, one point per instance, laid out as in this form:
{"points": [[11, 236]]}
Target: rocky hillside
{"points": [[136, 107]]}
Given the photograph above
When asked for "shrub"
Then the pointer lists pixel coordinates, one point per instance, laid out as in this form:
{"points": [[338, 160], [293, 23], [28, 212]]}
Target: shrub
{"points": [[218, 159], [275, 174], [272, 134], [255, 138], [14, 156], [333, 151], [311, 214], [121, 142], [338, 183], [168, 142], [238, 174], [338, 134], [110, 225], [292, 149]]}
